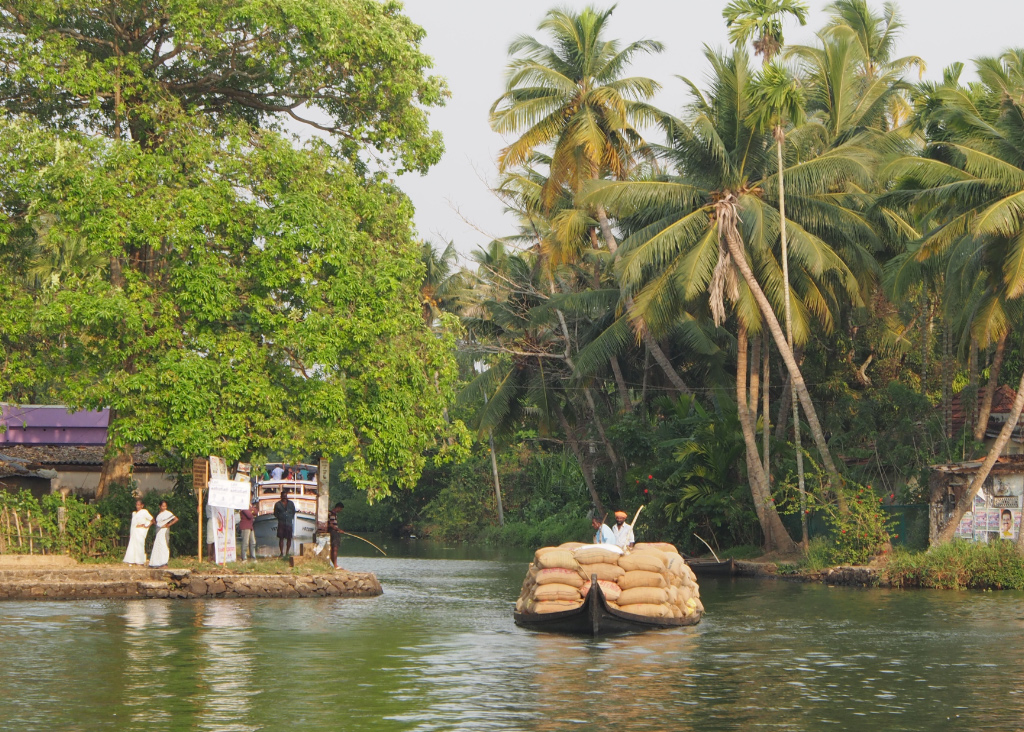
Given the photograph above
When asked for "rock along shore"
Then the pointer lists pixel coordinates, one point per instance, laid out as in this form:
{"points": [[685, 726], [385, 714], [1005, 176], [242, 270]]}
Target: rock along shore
{"points": [[90, 583]]}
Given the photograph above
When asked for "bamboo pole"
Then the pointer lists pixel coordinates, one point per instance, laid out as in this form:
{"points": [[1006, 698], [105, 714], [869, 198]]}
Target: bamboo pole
{"points": [[28, 525], [5, 524], [17, 525]]}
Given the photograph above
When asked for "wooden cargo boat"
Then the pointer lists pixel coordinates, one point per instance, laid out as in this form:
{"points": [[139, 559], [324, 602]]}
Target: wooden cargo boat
{"points": [[594, 617], [711, 568]]}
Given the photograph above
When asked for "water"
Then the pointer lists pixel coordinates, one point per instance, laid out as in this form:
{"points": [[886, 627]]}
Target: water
{"points": [[438, 651]]}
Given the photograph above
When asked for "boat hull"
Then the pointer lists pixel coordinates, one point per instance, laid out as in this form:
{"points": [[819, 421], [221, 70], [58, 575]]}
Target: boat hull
{"points": [[265, 527], [594, 617]]}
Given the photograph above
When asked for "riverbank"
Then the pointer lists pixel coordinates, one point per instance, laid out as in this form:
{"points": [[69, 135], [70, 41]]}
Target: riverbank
{"points": [[69, 581]]}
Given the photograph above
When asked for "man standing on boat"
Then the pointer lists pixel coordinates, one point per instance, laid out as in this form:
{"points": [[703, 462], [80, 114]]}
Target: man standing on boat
{"points": [[334, 531], [284, 512], [602, 535], [622, 531]]}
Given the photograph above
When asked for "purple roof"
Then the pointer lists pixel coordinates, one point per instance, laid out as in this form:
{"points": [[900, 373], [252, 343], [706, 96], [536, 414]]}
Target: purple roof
{"points": [[52, 425]]}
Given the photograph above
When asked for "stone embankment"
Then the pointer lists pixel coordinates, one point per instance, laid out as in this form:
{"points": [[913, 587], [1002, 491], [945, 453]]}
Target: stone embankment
{"points": [[84, 582]]}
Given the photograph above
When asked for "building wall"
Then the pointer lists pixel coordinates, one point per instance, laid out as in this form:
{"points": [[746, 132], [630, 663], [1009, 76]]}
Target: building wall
{"points": [[83, 483]]}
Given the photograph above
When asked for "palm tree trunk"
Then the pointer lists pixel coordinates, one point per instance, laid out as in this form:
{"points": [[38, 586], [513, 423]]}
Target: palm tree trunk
{"points": [[620, 383], [782, 421], [732, 239], [775, 536], [990, 388], [947, 377], [971, 410], [801, 487], [577, 451], [967, 500], [766, 417], [755, 375], [497, 483]]}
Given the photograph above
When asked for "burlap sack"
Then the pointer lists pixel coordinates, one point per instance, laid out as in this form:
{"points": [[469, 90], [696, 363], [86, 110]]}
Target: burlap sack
{"points": [[647, 609], [557, 559], [673, 596], [674, 563], [596, 555], [642, 596], [559, 576], [556, 592], [570, 545], [610, 589], [549, 606], [688, 573], [675, 611], [683, 594], [544, 550], [639, 578], [660, 546], [609, 572], [646, 561]]}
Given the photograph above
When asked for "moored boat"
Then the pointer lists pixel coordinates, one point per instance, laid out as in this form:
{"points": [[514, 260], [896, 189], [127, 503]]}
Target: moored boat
{"points": [[301, 481], [595, 617]]}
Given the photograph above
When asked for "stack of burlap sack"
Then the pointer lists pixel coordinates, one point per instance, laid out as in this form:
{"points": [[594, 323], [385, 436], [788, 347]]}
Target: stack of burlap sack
{"points": [[651, 580]]}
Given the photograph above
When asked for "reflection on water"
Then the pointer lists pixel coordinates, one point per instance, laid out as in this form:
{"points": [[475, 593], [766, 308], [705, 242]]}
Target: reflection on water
{"points": [[439, 652]]}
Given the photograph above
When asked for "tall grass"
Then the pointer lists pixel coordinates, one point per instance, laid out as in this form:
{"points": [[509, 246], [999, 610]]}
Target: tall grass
{"points": [[958, 565]]}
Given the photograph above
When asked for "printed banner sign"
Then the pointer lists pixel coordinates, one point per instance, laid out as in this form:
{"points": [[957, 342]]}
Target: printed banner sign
{"points": [[223, 533], [1005, 501], [233, 494]]}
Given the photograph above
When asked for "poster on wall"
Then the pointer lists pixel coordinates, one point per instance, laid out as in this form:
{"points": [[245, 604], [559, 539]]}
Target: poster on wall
{"points": [[966, 528], [223, 534], [992, 523], [1009, 523]]}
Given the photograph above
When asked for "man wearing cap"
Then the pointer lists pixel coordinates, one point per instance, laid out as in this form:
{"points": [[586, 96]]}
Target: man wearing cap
{"points": [[622, 531]]}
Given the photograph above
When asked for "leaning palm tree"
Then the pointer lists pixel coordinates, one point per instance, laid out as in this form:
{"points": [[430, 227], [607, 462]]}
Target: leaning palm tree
{"points": [[972, 174], [777, 101], [760, 21], [716, 217]]}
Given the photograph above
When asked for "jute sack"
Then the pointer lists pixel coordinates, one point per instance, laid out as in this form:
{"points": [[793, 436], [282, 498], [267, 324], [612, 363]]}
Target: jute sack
{"points": [[688, 573], [675, 611], [544, 550], [556, 592], [597, 555], [610, 589], [557, 559], [639, 578], [559, 576], [650, 610], [548, 606], [660, 546], [570, 545], [642, 596], [609, 572], [673, 596], [674, 563], [683, 594], [647, 561]]}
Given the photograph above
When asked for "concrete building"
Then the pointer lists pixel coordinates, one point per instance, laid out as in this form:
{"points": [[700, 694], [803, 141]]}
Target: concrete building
{"points": [[47, 448]]}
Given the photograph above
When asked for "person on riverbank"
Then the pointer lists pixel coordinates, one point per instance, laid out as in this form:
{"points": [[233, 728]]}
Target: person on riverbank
{"points": [[140, 523], [245, 525], [161, 549], [603, 534], [284, 512], [334, 531], [623, 532]]}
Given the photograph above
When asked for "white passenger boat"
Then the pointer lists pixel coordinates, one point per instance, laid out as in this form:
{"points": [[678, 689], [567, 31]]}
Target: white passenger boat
{"points": [[301, 481]]}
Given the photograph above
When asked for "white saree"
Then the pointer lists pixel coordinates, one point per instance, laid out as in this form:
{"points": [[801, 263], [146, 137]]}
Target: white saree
{"points": [[161, 551], [141, 521]]}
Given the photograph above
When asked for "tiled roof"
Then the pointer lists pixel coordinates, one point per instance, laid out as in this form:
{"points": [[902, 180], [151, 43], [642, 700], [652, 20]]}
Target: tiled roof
{"points": [[40, 455], [1002, 403]]}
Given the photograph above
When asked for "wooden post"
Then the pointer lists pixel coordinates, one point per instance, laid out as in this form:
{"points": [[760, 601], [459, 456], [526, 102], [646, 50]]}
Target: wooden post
{"points": [[323, 492], [200, 478]]}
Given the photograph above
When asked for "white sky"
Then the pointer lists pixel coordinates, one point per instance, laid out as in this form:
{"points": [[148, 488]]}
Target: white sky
{"points": [[468, 40]]}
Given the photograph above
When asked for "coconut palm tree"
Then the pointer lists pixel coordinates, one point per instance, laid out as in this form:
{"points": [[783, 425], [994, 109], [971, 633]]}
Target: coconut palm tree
{"points": [[692, 232], [760, 21], [971, 174]]}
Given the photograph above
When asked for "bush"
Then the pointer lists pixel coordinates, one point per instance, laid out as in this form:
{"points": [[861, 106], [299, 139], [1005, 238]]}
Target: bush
{"points": [[958, 565], [86, 532]]}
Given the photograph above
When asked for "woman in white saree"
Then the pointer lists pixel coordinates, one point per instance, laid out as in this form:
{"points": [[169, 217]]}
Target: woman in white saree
{"points": [[161, 551], [141, 521]]}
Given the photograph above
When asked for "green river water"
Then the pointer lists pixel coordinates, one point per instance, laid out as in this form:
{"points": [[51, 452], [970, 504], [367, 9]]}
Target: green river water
{"points": [[439, 651]]}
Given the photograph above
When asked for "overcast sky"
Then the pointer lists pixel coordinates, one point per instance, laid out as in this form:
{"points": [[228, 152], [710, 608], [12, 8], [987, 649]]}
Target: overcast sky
{"points": [[468, 40]]}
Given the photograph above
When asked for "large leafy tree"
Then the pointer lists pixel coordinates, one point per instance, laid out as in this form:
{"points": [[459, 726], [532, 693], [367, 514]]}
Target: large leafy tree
{"points": [[252, 294]]}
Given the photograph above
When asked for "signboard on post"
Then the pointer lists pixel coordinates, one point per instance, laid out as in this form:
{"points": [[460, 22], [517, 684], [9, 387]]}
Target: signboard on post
{"points": [[223, 534], [200, 473], [233, 494]]}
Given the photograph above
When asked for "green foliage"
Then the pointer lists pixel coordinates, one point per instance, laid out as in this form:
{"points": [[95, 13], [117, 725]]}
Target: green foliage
{"points": [[958, 565], [857, 533], [86, 532]]}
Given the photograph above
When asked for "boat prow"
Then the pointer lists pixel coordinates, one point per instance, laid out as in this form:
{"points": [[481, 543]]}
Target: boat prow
{"points": [[595, 617]]}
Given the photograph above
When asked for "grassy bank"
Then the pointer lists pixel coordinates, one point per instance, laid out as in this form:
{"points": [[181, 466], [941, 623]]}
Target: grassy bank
{"points": [[958, 565]]}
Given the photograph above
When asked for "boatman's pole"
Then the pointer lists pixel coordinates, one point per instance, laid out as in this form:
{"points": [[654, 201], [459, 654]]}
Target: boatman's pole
{"points": [[200, 478]]}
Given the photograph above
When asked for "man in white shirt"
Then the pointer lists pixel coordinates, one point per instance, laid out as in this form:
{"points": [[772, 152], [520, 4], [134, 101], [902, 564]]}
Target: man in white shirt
{"points": [[622, 531], [277, 473]]}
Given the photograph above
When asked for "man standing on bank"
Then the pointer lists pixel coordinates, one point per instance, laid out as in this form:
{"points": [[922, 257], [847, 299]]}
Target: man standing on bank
{"points": [[284, 512], [623, 532], [334, 531], [245, 519]]}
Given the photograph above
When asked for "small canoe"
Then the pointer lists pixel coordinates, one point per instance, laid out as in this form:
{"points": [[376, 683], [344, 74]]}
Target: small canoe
{"points": [[711, 568], [594, 617]]}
